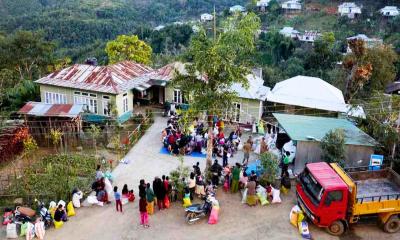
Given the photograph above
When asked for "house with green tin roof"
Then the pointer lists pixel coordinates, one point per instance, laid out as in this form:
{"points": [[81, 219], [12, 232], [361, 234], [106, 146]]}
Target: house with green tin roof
{"points": [[306, 133]]}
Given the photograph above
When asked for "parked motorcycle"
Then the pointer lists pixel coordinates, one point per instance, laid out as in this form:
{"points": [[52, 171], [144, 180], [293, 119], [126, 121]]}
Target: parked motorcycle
{"points": [[197, 211], [44, 214]]}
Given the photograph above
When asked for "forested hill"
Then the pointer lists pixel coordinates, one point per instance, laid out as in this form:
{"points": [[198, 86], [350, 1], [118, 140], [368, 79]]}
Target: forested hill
{"points": [[83, 25]]}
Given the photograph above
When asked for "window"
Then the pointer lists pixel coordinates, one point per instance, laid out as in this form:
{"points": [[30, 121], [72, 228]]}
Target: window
{"points": [[106, 105], [125, 103], [177, 96], [55, 98], [89, 100], [334, 196]]}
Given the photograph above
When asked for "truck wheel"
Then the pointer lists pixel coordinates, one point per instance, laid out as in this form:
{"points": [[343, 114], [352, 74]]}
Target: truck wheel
{"points": [[336, 228], [392, 225]]}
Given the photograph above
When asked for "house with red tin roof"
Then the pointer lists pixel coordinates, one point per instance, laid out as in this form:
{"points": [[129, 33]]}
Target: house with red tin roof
{"points": [[97, 87]]}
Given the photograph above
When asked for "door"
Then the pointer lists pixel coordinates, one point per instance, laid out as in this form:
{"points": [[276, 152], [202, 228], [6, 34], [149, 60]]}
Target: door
{"points": [[334, 205], [236, 112]]}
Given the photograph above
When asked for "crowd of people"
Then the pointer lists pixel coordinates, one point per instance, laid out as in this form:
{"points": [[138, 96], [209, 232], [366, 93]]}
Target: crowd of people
{"points": [[195, 140]]}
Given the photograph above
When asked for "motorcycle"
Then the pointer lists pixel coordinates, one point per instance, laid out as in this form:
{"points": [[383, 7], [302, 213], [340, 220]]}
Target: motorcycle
{"points": [[197, 211], [44, 214]]}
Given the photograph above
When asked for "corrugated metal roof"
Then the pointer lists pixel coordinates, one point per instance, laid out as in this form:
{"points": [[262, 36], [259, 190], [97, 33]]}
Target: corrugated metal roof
{"points": [[107, 79], [309, 128], [51, 110]]}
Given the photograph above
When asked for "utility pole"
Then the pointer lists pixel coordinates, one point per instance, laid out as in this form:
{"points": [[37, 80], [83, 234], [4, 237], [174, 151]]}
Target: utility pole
{"points": [[394, 145], [215, 25]]}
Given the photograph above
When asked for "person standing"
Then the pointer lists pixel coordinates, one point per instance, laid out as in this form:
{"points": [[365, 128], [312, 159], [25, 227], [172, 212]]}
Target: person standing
{"points": [[142, 188], [192, 185], [144, 217], [251, 193], [150, 199], [216, 172], [246, 152], [225, 157], [117, 196], [263, 146], [99, 173], [235, 178], [159, 191]]}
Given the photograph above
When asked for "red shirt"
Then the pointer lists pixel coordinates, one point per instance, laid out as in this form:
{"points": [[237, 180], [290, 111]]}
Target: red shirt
{"points": [[142, 205]]}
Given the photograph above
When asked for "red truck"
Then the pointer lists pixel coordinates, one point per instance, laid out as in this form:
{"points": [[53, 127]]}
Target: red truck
{"points": [[334, 199]]}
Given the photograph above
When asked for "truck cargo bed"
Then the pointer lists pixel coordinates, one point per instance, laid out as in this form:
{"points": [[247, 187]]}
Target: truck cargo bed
{"points": [[376, 185]]}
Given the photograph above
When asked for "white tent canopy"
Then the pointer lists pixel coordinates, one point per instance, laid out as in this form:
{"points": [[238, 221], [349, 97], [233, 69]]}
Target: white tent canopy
{"points": [[308, 92]]}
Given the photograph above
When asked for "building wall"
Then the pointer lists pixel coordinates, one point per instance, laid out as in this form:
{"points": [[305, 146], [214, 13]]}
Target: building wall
{"points": [[69, 92], [308, 152], [120, 105], [250, 108]]}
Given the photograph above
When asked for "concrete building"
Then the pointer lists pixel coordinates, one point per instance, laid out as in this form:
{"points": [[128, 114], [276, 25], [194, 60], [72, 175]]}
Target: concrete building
{"points": [[292, 6], [289, 32]]}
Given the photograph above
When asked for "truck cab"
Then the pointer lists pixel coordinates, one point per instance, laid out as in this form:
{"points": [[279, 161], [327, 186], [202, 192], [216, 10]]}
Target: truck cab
{"points": [[323, 196]]}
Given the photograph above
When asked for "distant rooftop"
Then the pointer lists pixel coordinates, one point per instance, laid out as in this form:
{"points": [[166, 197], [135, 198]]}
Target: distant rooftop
{"points": [[309, 128]]}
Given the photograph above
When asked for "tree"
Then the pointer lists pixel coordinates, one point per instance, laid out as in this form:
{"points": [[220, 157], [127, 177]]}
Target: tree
{"points": [[333, 147], [128, 48], [270, 166], [382, 59], [382, 113], [30, 146], [216, 65], [357, 67], [27, 53], [95, 132], [56, 137]]}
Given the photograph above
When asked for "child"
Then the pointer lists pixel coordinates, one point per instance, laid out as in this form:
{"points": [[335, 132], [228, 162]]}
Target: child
{"points": [[131, 196], [144, 217], [117, 197]]}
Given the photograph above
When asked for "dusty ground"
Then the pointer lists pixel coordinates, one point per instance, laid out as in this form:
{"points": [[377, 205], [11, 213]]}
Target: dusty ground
{"points": [[236, 221]]}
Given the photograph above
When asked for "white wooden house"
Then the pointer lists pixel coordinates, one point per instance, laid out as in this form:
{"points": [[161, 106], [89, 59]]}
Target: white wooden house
{"points": [[309, 36], [349, 9], [262, 5], [369, 42], [291, 6], [289, 32], [389, 11], [206, 17]]}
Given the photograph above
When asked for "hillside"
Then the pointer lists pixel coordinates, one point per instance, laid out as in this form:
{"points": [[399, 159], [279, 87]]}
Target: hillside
{"points": [[80, 27]]}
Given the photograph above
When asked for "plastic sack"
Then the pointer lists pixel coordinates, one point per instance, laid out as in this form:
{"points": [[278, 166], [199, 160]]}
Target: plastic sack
{"points": [[109, 176], [7, 217], [70, 210], [12, 230], [166, 201], [275, 196], [186, 202], [62, 203], [213, 216], [124, 200], [30, 231], [108, 187], [263, 199], [244, 196], [40, 230], [294, 215], [284, 190], [76, 199], [92, 200], [303, 230], [58, 225], [24, 227], [240, 147]]}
